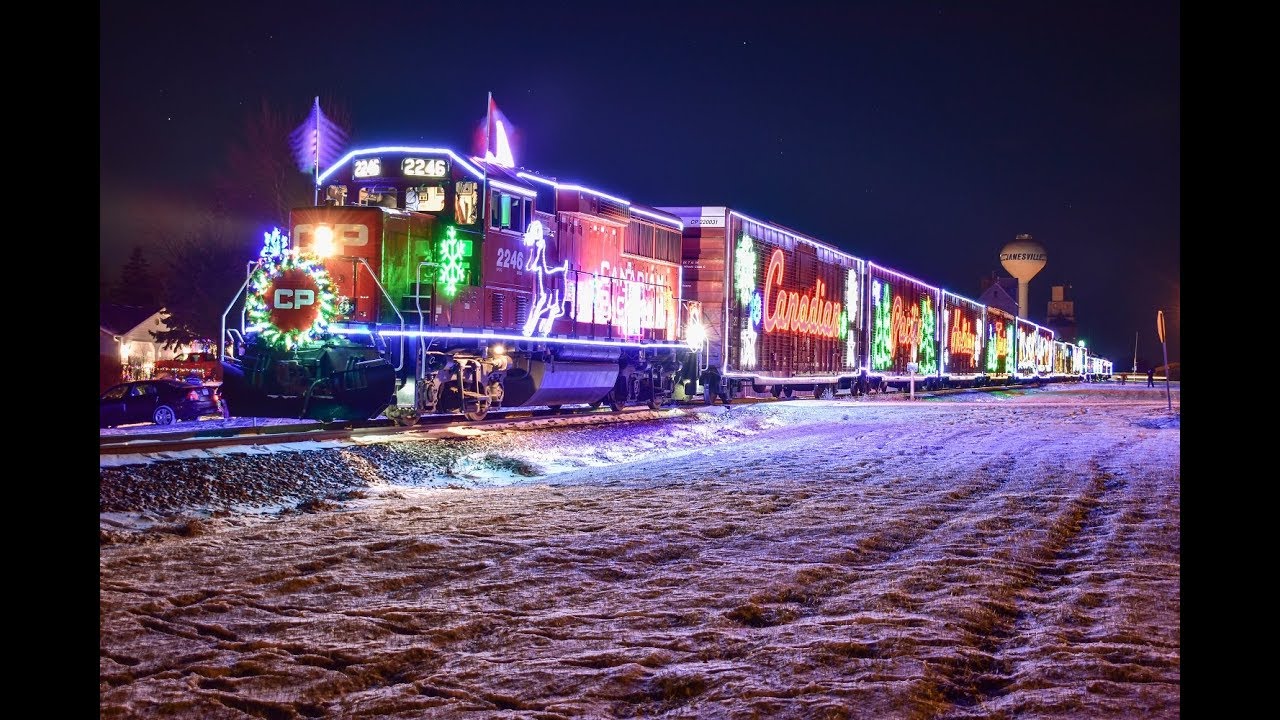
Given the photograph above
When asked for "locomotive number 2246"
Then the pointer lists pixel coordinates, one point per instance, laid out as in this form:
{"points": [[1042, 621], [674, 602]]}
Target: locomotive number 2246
{"points": [[510, 259]]}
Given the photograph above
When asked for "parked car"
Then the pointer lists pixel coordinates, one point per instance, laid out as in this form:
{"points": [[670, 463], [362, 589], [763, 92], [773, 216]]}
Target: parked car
{"points": [[203, 365], [158, 401]]}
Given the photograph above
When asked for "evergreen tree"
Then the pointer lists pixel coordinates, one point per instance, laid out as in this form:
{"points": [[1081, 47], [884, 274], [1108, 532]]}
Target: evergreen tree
{"points": [[137, 285]]}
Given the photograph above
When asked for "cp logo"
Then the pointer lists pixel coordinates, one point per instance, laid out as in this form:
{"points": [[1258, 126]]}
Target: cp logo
{"points": [[289, 299]]}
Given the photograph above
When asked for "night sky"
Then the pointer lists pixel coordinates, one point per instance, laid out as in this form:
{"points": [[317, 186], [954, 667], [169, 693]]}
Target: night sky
{"points": [[921, 135]]}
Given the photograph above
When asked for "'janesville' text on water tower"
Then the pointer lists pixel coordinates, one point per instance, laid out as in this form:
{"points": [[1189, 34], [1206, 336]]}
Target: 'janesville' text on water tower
{"points": [[1023, 258]]}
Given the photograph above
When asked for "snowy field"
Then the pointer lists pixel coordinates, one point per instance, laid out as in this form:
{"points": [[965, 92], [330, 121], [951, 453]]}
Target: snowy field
{"points": [[1012, 554]]}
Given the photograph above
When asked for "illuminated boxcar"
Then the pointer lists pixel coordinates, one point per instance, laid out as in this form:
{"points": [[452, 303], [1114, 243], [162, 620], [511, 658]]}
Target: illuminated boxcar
{"points": [[1035, 351], [1002, 344], [962, 340], [902, 328], [780, 310]]}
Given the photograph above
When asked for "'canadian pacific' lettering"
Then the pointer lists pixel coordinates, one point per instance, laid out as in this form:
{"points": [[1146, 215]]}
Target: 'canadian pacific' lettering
{"points": [[793, 312]]}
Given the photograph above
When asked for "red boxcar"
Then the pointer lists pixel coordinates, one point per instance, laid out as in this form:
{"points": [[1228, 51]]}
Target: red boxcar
{"points": [[779, 308]]}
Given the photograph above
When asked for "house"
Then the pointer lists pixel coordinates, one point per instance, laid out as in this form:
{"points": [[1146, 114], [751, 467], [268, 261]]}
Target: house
{"points": [[999, 292], [127, 350]]}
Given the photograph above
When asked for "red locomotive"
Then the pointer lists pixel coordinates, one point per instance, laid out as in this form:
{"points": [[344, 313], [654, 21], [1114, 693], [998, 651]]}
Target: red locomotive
{"points": [[458, 284]]}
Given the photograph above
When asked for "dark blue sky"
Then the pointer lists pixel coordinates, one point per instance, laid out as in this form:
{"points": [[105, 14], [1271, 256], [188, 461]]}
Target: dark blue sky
{"points": [[921, 135]]}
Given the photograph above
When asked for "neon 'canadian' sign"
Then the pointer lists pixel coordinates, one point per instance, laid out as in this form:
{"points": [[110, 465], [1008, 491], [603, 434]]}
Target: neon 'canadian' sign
{"points": [[789, 311]]}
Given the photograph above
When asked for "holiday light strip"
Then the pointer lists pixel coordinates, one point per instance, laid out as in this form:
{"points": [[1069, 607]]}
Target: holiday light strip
{"points": [[567, 186], [674, 222], [397, 149], [800, 238], [514, 188], [550, 340]]}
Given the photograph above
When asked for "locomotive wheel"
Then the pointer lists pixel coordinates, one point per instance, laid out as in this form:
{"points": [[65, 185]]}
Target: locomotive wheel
{"points": [[776, 391], [614, 403], [478, 412], [555, 409], [789, 392], [596, 405]]}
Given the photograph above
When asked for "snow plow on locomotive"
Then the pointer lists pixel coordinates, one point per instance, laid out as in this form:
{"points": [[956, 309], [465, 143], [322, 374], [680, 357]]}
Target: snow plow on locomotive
{"points": [[429, 283]]}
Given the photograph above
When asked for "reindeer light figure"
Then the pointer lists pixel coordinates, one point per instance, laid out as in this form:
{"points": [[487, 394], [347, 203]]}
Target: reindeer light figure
{"points": [[548, 302]]}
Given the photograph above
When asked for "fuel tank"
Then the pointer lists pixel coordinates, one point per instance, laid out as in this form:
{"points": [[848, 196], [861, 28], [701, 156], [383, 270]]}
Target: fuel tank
{"points": [[559, 383]]}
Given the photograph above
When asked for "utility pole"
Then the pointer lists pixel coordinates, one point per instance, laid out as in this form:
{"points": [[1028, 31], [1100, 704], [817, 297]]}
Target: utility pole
{"points": [[1135, 351]]}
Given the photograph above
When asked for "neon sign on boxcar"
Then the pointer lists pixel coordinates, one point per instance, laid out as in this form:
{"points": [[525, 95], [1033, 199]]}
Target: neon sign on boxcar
{"points": [[793, 312]]}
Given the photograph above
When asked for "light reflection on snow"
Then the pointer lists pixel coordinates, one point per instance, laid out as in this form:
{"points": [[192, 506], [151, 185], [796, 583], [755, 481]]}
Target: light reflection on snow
{"points": [[984, 556]]}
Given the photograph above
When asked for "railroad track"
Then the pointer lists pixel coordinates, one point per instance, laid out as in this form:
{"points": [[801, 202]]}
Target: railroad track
{"points": [[428, 426]]}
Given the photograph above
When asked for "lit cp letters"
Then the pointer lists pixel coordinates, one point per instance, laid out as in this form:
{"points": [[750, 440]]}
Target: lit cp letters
{"points": [[289, 299]]}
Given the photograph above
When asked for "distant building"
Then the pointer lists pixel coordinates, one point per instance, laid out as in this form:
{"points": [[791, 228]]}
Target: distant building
{"points": [[999, 292], [1061, 317], [126, 348]]}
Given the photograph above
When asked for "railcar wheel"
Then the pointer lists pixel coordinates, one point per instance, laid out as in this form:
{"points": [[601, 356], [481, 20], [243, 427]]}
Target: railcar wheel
{"points": [[164, 415], [555, 409], [477, 413], [789, 392], [776, 391]]}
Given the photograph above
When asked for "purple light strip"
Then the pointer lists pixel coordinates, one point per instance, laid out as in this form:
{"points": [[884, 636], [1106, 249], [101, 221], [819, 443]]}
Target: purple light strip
{"points": [[530, 176], [397, 149], [566, 186], [1052, 334], [502, 336], [514, 188], [905, 277], [961, 297], [678, 225], [802, 238]]}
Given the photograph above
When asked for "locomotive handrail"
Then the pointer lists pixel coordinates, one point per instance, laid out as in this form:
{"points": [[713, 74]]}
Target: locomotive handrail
{"points": [[223, 336], [417, 296], [387, 295]]}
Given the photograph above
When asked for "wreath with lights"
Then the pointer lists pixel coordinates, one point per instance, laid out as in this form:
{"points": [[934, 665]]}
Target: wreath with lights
{"points": [[277, 263]]}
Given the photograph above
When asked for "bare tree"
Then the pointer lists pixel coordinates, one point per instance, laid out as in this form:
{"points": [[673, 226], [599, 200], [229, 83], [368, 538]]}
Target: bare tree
{"points": [[205, 267]]}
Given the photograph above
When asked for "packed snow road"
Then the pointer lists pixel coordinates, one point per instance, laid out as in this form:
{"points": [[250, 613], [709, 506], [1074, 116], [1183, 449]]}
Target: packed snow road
{"points": [[1011, 554]]}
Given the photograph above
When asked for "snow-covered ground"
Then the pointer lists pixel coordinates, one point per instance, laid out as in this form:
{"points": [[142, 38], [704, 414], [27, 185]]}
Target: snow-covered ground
{"points": [[1006, 554]]}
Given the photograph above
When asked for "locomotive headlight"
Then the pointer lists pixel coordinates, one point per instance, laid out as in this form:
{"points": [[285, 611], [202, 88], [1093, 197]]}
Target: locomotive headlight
{"points": [[497, 349], [324, 242], [696, 335]]}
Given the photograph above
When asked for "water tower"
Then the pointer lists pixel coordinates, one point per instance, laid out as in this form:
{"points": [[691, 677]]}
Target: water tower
{"points": [[1023, 258]]}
